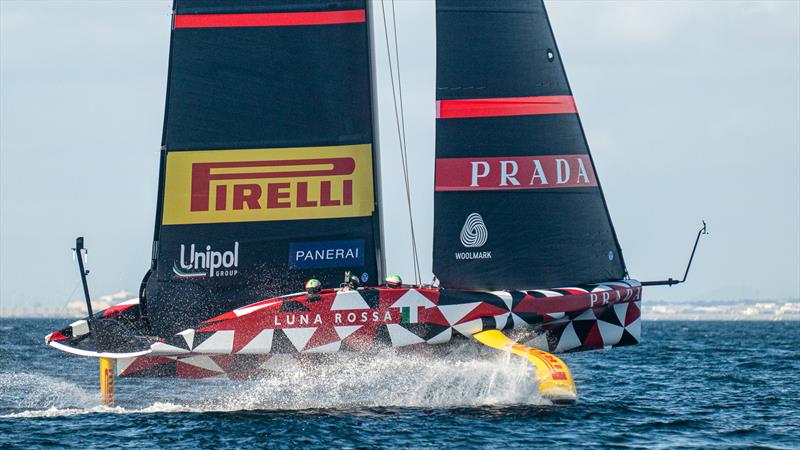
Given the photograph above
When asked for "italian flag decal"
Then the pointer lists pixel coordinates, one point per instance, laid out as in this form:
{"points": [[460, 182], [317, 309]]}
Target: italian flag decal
{"points": [[409, 314]]}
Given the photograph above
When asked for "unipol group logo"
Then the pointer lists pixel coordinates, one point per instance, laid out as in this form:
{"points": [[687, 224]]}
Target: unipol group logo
{"points": [[201, 262], [474, 232], [474, 235], [217, 186]]}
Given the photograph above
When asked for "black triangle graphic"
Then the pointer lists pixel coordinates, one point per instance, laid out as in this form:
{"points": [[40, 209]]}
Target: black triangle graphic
{"points": [[553, 335], [433, 330], [281, 343], [291, 305], [528, 317], [583, 327], [516, 297], [346, 348], [371, 297], [488, 323], [607, 314], [424, 330], [199, 338], [626, 339], [382, 338], [244, 362], [167, 370], [535, 294]]}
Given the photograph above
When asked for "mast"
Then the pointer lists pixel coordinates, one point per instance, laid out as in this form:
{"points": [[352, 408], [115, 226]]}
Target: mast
{"points": [[376, 152]]}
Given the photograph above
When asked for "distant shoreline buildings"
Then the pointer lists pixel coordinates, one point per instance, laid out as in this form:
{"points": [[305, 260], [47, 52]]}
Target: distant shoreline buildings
{"points": [[75, 308], [765, 310], [742, 309]]}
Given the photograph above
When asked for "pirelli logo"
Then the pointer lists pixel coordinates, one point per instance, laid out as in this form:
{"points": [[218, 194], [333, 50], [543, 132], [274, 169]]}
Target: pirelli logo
{"points": [[217, 186]]}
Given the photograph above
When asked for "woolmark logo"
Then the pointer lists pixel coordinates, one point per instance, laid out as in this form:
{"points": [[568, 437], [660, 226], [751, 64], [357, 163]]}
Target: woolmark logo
{"points": [[473, 235], [206, 262], [474, 232]]}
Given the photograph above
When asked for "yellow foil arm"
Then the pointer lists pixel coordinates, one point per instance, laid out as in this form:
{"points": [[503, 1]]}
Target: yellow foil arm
{"points": [[555, 379], [107, 380]]}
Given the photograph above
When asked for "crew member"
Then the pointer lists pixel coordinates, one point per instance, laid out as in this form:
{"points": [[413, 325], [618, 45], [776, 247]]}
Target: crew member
{"points": [[394, 281], [353, 282], [313, 288]]}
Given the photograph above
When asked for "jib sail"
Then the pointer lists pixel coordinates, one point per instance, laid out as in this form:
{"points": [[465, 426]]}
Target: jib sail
{"points": [[267, 174], [518, 204]]}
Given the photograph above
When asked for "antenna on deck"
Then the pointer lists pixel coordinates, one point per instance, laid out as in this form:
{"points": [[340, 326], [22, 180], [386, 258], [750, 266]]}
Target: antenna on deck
{"points": [[81, 254], [670, 281]]}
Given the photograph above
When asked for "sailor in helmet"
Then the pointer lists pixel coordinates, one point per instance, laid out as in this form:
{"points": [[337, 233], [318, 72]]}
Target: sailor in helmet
{"points": [[313, 288], [353, 282], [394, 281]]}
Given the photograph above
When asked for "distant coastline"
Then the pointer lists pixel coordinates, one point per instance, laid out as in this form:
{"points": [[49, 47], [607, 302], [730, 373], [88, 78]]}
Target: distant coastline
{"points": [[655, 309], [73, 309], [742, 309]]}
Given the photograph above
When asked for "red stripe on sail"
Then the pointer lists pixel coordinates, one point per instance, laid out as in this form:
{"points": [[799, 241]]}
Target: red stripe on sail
{"points": [[514, 173], [508, 106], [269, 19]]}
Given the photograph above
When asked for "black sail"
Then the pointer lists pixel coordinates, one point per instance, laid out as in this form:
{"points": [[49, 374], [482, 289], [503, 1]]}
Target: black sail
{"points": [[517, 201], [267, 171]]}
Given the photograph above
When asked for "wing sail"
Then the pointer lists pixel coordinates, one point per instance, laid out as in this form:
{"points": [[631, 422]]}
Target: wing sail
{"points": [[517, 203], [267, 172]]}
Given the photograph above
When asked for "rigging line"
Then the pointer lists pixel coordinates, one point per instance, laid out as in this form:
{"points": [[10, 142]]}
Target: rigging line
{"points": [[69, 297], [400, 138], [405, 142], [405, 151]]}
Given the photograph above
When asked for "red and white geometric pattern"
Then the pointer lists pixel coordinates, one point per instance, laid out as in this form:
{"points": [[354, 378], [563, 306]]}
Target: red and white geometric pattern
{"points": [[241, 342]]}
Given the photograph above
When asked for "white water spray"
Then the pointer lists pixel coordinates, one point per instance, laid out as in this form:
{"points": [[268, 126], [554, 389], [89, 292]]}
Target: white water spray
{"points": [[391, 379], [466, 377]]}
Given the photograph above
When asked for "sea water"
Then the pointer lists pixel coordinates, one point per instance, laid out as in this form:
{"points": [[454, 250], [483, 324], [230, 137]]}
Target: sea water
{"points": [[687, 385]]}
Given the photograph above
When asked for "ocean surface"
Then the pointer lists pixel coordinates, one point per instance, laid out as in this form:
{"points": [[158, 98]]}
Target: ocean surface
{"points": [[688, 385]]}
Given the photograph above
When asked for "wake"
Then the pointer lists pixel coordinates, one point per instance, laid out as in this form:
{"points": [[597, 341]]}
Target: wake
{"points": [[342, 381]]}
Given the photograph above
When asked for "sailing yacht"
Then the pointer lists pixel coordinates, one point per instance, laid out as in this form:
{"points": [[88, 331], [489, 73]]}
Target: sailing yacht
{"points": [[270, 175]]}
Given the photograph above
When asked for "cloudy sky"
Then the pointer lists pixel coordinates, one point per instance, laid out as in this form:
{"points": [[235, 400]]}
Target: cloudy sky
{"points": [[691, 110]]}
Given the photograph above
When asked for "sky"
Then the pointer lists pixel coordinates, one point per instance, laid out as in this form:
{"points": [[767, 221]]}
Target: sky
{"points": [[691, 110]]}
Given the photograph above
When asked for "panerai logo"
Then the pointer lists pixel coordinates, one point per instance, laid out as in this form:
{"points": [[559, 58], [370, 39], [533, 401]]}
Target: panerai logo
{"points": [[324, 254], [473, 235], [206, 262]]}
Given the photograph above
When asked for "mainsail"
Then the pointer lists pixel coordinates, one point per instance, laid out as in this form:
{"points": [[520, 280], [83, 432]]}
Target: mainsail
{"points": [[518, 204], [267, 165]]}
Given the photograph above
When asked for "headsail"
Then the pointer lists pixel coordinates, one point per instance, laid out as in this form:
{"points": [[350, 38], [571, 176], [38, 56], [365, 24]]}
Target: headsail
{"points": [[518, 204], [267, 174]]}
